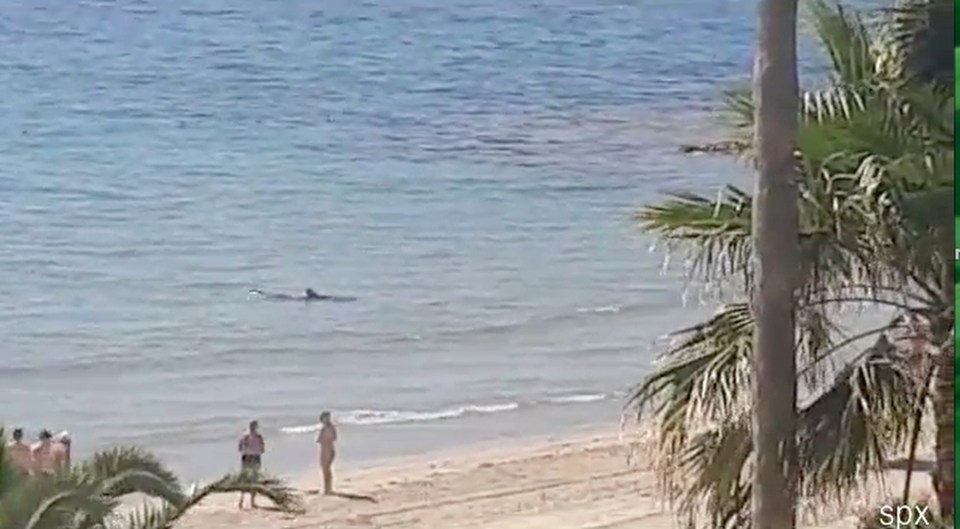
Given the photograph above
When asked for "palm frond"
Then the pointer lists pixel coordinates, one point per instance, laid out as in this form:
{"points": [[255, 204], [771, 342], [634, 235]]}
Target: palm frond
{"points": [[816, 339], [715, 231], [713, 468], [165, 515], [738, 110], [845, 432], [850, 428], [53, 502], [10, 475], [875, 171], [921, 34], [846, 40], [855, 145], [87, 496], [700, 398], [908, 198], [704, 376], [859, 121], [713, 235], [126, 470], [282, 496], [866, 118], [109, 463], [152, 517]]}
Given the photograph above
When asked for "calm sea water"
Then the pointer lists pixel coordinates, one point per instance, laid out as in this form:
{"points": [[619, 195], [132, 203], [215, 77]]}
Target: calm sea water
{"points": [[466, 168]]}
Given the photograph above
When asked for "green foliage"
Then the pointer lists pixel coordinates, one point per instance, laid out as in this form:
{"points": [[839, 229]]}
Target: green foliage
{"points": [[875, 166], [88, 495], [921, 32]]}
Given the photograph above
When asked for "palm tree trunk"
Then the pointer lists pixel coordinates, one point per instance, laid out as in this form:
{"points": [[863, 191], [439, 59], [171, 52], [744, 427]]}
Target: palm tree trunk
{"points": [[943, 476], [776, 257], [916, 425]]}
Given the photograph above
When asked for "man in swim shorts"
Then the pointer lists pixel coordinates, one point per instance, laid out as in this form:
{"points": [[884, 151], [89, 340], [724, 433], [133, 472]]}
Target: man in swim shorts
{"points": [[251, 448], [43, 462], [19, 452]]}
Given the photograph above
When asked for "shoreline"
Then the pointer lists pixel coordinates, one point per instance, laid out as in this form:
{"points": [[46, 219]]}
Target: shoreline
{"points": [[485, 450], [594, 479], [511, 484], [293, 455]]}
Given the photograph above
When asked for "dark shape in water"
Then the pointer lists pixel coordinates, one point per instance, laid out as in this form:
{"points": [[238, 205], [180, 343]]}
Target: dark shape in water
{"points": [[308, 295]]}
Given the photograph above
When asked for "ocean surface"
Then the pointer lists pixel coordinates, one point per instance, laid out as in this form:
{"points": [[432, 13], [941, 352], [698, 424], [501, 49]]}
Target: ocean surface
{"points": [[467, 169]]}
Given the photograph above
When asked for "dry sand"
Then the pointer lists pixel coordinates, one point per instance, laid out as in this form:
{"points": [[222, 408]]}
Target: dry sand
{"points": [[595, 482]]}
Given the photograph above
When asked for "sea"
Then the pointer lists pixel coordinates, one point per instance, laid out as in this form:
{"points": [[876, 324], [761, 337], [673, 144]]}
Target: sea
{"points": [[468, 170]]}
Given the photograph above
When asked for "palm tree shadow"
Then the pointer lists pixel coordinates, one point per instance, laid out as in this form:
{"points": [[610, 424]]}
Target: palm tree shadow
{"points": [[355, 497], [271, 508], [345, 495]]}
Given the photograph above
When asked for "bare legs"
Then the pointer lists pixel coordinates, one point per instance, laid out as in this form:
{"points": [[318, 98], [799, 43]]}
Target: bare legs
{"points": [[253, 471], [326, 468], [253, 501]]}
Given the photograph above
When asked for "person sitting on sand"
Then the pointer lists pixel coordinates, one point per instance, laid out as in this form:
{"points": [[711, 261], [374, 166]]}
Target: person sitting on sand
{"points": [[327, 439], [251, 448], [42, 460], [19, 452], [60, 450]]}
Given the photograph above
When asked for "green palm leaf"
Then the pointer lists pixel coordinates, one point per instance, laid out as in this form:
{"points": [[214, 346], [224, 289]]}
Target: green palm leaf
{"points": [[849, 429], [52, 503], [717, 230], [845, 39], [275, 490], [87, 497], [846, 428], [166, 515], [921, 33], [126, 470]]}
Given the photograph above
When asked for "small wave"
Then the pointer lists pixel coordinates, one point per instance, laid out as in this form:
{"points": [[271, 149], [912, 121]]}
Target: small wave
{"points": [[301, 429], [366, 417], [375, 417], [580, 398], [599, 310]]}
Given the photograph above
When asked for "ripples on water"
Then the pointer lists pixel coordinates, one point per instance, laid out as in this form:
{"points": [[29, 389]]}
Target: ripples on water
{"points": [[466, 168]]}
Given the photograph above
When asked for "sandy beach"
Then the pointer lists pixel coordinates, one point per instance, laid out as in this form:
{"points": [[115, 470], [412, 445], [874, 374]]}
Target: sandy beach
{"points": [[591, 482]]}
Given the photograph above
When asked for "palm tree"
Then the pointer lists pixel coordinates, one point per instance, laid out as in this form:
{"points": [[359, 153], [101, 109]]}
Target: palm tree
{"points": [[775, 234], [943, 407], [874, 158], [88, 495]]}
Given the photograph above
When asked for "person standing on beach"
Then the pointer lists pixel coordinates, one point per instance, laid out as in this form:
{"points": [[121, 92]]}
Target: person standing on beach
{"points": [[327, 439], [251, 448], [41, 456], [19, 452], [60, 451]]}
